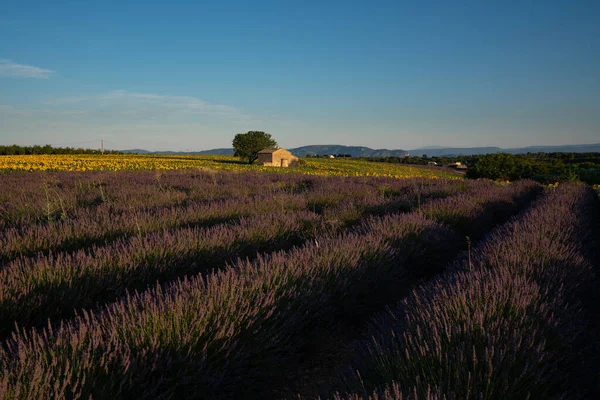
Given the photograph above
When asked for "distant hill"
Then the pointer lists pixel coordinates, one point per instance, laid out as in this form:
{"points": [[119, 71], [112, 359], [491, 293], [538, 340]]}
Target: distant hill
{"points": [[435, 151], [575, 148], [454, 151], [220, 152], [354, 151], [431, 151], [430, 147], [136, 151]]}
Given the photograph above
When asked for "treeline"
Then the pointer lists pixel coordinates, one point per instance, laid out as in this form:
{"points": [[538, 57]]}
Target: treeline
{"points": [[418, 160], [542, 167], [545, 168], [14, 150]]}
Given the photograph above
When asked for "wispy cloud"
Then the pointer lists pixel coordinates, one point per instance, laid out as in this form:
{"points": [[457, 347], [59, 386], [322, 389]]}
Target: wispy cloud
{"points": [[8, 110], [124, 105], [127, 120], [10, 69]]}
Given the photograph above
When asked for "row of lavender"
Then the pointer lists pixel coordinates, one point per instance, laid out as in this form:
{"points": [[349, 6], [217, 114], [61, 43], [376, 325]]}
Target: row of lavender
{"points": [[511, 321], [27, 198], [31, 197], [139, 204], [237, 331], [54, 285]]}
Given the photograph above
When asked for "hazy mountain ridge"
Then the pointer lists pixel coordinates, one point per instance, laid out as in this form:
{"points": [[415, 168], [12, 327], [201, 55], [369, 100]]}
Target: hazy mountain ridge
{"points": [[432, 151], [354, 151], [455, 151], [212, 152], [467, 151]]}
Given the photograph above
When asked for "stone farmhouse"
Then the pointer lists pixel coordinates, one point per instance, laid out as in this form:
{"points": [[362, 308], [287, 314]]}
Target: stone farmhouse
{"points": [[277, 157]]}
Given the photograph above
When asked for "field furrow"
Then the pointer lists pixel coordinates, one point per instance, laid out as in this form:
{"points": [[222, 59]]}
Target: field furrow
{"points": [[505, 322]]}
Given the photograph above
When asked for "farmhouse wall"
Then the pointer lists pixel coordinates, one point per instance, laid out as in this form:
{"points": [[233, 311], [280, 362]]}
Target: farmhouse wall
{"points": [[277, 158]]}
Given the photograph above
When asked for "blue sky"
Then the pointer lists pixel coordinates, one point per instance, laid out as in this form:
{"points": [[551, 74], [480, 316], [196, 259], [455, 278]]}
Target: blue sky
{"points": [[384, 74]]}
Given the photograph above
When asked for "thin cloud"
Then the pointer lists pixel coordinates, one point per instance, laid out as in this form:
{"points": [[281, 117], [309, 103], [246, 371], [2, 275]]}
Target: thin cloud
{"points": [[127, 120], [8, 110], [124, 104], [10, 69]]}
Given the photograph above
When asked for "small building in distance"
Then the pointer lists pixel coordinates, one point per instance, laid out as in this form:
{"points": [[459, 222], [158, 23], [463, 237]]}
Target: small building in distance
{"points": [[277, 157], [458, 165]]}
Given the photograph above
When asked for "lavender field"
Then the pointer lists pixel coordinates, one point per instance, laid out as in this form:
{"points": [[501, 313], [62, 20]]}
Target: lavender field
{"points": [[199, 285]]}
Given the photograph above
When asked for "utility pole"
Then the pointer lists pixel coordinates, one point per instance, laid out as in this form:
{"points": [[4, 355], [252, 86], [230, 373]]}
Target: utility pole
{"points": [[102, 146]]}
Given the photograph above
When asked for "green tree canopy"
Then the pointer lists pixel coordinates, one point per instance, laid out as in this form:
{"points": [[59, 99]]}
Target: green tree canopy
{"points": [[247, 145], [494, 166]]}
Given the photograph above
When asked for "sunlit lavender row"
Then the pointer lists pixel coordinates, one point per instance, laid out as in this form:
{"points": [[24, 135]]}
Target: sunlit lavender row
{"points": [[67, 212], [53, 285], [243, 329], [26, 197], [513, 319]]}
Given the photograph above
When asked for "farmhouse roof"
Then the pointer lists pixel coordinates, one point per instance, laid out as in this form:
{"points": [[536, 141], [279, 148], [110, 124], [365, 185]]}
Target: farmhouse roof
{"points": [[270, 150]]}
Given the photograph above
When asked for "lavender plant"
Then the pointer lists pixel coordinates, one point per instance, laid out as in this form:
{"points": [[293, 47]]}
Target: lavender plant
{"points": [[505, 329]]}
